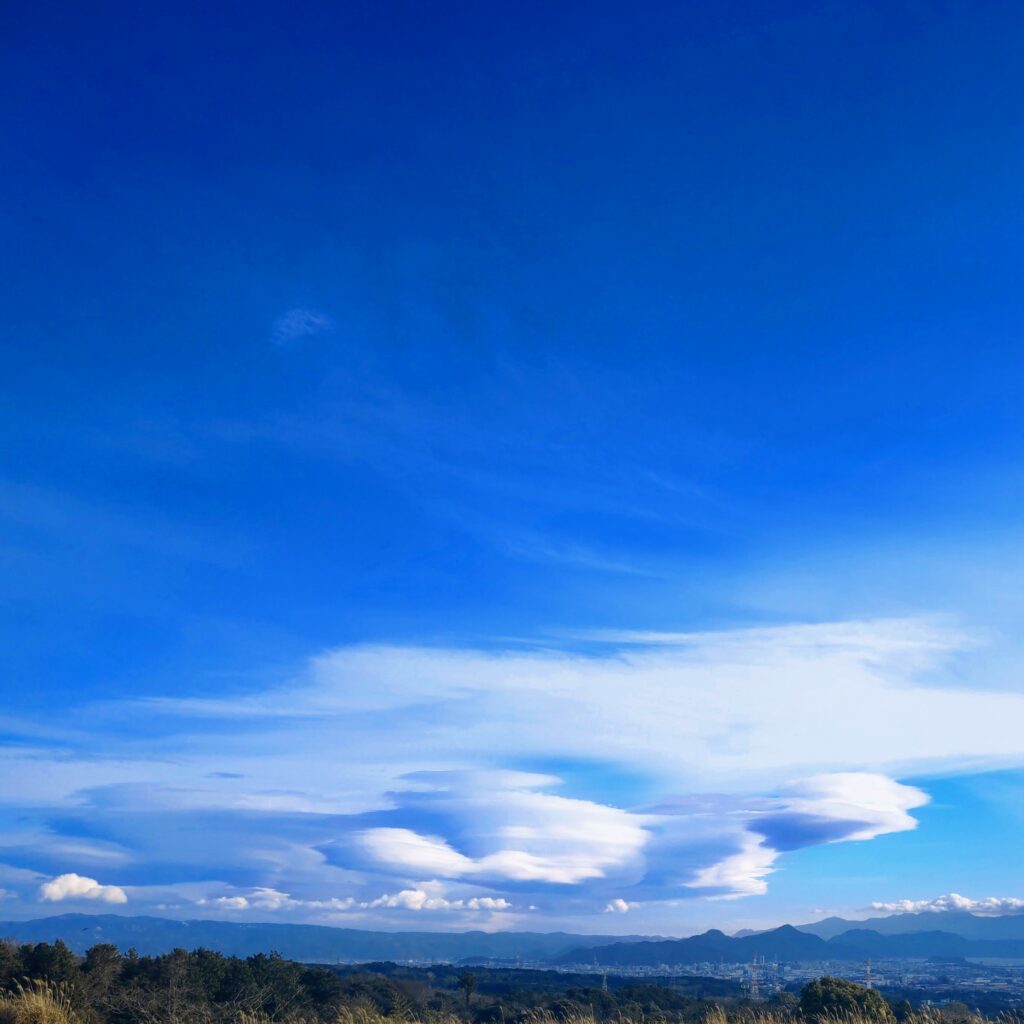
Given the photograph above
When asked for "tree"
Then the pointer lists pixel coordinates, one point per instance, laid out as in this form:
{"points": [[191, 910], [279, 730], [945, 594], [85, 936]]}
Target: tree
{"points": [[10, 961], [837, 997], [467, 982], [100, 968], [784, 1001], [54, 963]]}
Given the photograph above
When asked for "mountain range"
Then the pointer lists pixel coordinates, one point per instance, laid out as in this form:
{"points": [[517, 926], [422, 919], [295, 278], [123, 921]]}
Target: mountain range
{"points": [[958, 922], [792, 944], [305, 942], [951, 934]]}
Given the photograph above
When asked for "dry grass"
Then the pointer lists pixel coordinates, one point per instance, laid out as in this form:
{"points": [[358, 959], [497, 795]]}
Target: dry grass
{"points": [[40, 1002], [717, 1015], [37, 1002], [925, 1015], [356, 1015]]}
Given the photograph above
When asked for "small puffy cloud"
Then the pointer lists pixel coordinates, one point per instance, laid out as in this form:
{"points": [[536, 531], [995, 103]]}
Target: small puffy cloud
{"points": [[225, 903], [617, 906], [988, 906], [411, 899], [429, 897], [263, 898], [487, 903], [300, 323], [78, 887]]}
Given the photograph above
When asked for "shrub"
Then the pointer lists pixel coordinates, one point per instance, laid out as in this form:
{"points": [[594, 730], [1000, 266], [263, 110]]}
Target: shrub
{"points": [[837, 998]]}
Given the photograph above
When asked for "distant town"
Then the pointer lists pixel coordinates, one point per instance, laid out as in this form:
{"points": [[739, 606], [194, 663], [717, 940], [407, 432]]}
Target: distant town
{"points": [[990, 983]]}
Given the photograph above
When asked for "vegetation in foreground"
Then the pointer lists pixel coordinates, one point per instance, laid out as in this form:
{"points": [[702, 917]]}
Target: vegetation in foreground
{"points": [[47, 984]]}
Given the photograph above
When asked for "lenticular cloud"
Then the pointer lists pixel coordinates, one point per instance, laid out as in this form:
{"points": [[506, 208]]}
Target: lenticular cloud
{"points": [[429, 787]]}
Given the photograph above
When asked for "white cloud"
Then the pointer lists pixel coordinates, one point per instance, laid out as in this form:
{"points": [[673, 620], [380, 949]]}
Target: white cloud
{"points": [[264, 898], [874, 804], [225, 902], [403, 848], [740, 874], [702, 709], [616, 906], [739, 714], [488, 903], [300, 323], [828, 808], [77, 887], [411, 899], [424, 896], [527, 836], [428, 897], [988, 906]]}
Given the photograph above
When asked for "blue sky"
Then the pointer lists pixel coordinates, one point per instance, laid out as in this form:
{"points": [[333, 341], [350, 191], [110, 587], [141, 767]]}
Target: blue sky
{"points": [[547, 467]]}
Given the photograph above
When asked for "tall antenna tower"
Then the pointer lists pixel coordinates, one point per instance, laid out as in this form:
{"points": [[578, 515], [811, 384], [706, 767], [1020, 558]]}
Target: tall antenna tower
{"points": [[755, 986], [867, 974]]}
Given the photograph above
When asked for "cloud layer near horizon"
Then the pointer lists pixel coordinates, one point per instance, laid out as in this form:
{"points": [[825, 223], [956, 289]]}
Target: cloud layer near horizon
{"points": [[507, 786], [988, 906]]}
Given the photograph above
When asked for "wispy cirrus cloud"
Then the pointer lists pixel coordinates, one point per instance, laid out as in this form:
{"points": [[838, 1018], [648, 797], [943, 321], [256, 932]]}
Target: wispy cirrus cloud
{"points": [[720, 708], [300, 323]]}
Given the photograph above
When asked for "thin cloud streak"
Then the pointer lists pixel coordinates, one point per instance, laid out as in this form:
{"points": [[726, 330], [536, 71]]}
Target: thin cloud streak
{"points": [[300, 323]]}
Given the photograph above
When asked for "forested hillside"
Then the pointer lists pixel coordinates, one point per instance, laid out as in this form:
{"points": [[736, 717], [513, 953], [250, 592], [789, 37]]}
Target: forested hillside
{"points": [[203, 987]]}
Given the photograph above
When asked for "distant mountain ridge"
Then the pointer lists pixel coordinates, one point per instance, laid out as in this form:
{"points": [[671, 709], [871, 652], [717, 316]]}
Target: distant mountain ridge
{"points": [[305, 942], [793, 944], [785, 943], [949, 934], [957, 922]]}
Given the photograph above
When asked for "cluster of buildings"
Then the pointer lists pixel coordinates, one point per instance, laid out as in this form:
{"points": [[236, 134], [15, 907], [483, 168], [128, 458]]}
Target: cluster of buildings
{"points": [[762, 978]]}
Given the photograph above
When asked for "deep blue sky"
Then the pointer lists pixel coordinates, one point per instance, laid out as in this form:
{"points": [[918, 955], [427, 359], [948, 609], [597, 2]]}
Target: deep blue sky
{"points": [[490, 331]]}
